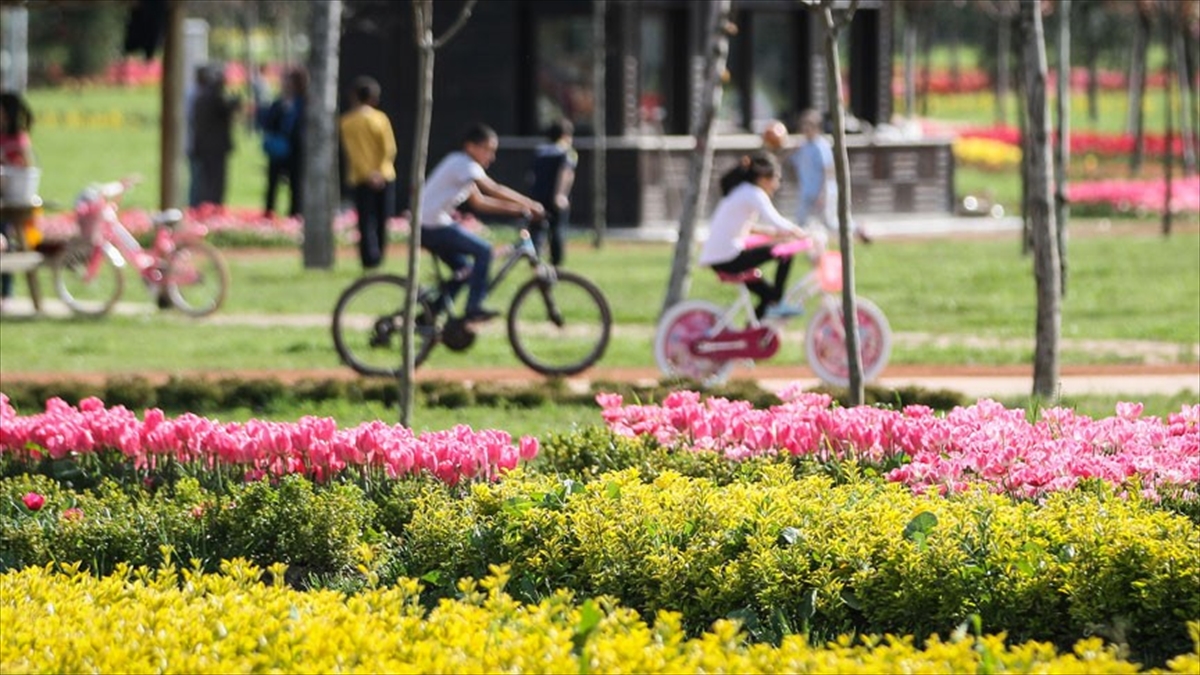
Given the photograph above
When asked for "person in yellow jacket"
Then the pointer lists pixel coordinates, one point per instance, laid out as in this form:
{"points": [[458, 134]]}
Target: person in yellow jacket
{"points": [[370, 149]]}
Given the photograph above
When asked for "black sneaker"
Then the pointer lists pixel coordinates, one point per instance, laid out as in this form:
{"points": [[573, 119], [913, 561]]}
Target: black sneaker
{"points": [[481, 314]]}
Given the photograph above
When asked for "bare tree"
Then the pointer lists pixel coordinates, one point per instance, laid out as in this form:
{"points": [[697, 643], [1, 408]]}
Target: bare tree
{"points": [[427, 45], [1003, 11], [1137, 85], [320, 139], [1045, 244], [1062, 149], [834, 23], [700, 168], [599, 123]]}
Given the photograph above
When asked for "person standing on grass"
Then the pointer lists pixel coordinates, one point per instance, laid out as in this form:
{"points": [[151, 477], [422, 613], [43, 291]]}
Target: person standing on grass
{"points": [[461, 177], [212, 139], [370, 149], [283, 142], [553, 175]]}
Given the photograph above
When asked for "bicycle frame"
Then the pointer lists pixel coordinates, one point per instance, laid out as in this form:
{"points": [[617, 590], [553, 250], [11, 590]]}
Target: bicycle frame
{"points": [[522, 251], [817, 282], [115, 241]]}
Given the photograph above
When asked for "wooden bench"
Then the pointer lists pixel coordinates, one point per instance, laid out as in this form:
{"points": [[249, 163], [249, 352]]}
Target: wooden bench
{"points": [[15, 262], [17, 259]]}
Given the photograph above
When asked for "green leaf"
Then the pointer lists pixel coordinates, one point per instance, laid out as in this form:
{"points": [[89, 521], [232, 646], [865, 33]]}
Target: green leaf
{"points": [[920, 526]]}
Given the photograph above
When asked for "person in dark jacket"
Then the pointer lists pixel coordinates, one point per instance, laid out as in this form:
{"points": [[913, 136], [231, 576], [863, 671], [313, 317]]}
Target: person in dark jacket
{"points": [[211, 137], [283, 141], [553, 174]]}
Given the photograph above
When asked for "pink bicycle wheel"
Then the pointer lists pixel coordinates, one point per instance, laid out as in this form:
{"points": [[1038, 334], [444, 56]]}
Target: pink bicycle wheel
{"points": [[825, 343], [679, 328]]}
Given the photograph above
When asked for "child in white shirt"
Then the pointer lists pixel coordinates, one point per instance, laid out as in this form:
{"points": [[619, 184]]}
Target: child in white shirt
{"points": [[745, 208]]}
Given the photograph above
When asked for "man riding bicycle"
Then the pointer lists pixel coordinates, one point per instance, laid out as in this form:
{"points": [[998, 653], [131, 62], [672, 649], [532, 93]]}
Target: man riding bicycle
{"points": [[461, 178]]}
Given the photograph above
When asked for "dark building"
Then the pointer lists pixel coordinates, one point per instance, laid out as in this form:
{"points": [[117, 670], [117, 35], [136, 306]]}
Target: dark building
{"points": [[519, 64]]}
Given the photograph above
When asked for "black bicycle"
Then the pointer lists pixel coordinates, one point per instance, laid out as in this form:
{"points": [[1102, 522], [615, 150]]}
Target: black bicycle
{"points": [[559, 323]]}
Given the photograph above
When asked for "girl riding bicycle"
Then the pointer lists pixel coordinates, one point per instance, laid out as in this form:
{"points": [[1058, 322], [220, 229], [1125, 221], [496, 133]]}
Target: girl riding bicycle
{"points": [[744, 209]]}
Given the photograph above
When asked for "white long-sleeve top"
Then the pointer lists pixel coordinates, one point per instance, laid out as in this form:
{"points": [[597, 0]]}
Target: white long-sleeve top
{"points": [[736, 215]]}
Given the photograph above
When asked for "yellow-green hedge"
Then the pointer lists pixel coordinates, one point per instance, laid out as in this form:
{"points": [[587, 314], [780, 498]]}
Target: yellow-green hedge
{"points": [[143, 621]]}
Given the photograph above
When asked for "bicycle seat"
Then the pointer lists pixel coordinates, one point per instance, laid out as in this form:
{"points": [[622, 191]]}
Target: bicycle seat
{"points": [[739, 277]]}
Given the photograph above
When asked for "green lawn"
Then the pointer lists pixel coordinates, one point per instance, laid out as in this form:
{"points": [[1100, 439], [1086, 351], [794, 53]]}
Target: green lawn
{"points": [[1122, 286]]}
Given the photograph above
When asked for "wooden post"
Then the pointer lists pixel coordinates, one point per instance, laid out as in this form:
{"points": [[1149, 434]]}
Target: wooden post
{"points": [[171, 122]]}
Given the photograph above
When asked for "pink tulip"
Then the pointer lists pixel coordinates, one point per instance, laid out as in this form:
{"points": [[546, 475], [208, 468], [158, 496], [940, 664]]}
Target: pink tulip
{"points": [[33, 501]]}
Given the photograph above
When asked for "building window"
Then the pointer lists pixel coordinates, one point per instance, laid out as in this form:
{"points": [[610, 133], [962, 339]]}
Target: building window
{"points": [[761, 82], [564, 71], [773, 80]]}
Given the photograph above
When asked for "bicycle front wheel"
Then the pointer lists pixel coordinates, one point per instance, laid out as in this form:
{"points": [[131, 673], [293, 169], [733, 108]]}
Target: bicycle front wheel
{"points": [[86, 279], [559, 326], [825, 342], [368, 325], [196, 279]]}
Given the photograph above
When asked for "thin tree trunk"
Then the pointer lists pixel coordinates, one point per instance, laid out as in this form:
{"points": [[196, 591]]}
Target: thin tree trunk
{"points": [[842, 167], [700, 166], [910, 71], [1137, 92], [426, 48], [599, 124], [320, 141], [1169, 141], [1004, 44], [1045, 245], [1062, 158], [1186, 111]]}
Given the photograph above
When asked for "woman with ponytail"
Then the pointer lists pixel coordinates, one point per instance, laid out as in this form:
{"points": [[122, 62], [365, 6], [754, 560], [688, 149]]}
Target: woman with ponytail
{"points": [[746, 208]]}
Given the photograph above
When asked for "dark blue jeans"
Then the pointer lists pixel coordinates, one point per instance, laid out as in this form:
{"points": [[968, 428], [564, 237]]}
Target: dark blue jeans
{"points": [[461, 249], [374, 208]]}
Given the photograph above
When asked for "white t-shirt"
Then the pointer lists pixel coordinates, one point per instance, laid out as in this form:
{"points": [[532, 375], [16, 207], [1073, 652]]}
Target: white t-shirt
{"points": [[735, 216], [448, 186]]}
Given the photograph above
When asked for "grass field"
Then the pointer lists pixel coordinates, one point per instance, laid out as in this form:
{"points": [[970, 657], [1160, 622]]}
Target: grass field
{"points": [[1122, 286]]}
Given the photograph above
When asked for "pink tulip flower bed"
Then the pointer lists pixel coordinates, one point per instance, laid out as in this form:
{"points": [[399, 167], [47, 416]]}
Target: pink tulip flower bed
{"points": [[314, 447], [248, 223], [984, 442]]}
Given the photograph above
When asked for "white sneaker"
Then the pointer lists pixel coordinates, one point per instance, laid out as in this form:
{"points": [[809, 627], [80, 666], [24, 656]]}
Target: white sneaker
{"points": [[782, 311]]}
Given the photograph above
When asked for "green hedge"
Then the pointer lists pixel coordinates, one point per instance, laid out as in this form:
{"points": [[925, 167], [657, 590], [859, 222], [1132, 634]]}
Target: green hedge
{"points": [[783, 554], [201, 395]]}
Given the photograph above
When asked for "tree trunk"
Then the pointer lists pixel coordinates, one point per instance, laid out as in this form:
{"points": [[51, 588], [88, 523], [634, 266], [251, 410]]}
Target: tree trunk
{"points": [[842, 167], [320, 140], [700, 167], [910, 71], [1004, 44], [423, 26], [599, 124], [1137, 92], [1186, 98], [1169, 140], [171, 112], [1045, 245], [426, 48], [1062, 155]]}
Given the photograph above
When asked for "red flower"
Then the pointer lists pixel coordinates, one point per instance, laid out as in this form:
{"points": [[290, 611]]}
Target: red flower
{"points": [[33, 501], [73, 513]]}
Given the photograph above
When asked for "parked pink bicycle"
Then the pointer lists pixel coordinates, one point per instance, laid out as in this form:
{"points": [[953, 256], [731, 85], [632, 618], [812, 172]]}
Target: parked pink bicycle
{"points": [[179, 268], [702, 341]]}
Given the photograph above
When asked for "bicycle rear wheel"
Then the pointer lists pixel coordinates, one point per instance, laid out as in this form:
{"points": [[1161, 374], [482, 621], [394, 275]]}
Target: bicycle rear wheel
{"points": [[559, 326], [681, 326], [196, 279], [368, 325], [825, 342], [86, 279]]}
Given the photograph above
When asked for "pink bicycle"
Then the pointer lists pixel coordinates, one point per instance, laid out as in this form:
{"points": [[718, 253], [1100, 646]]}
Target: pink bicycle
{"points": [[179, 268], [702, 341]]}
